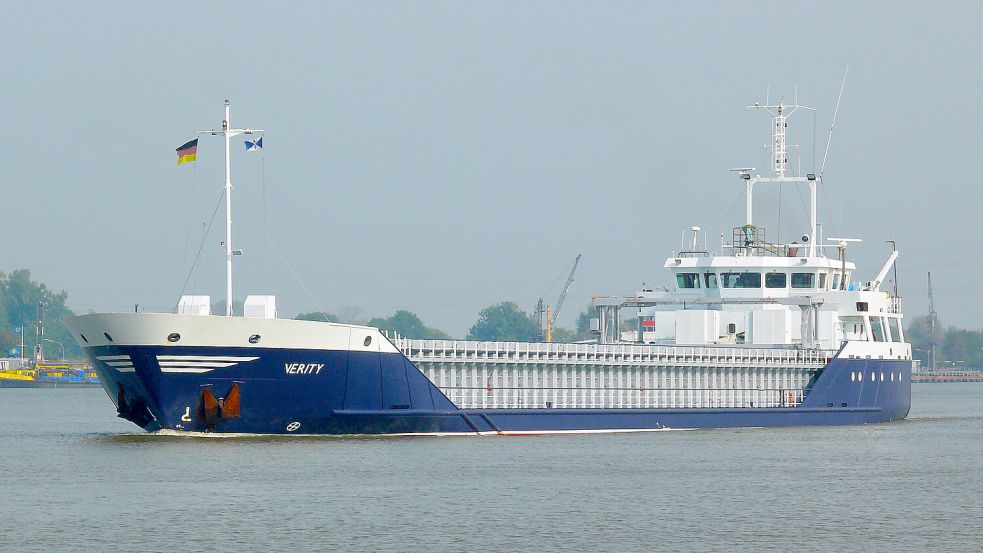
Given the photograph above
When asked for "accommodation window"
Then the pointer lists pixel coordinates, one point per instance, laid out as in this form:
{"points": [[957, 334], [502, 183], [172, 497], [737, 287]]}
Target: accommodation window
{"points": [[802, 280], [775, 280], [740, 280], [688, 280], [710, 280]]}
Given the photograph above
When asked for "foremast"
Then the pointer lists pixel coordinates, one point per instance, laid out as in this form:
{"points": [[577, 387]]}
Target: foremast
{"points": [[228, 132]]}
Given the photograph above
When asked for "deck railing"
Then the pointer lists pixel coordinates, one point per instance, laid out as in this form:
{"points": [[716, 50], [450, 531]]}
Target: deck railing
{"points": [[466, 351]]}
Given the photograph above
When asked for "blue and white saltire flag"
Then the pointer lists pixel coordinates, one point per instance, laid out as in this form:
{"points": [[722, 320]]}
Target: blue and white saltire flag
{"points": [[253, 145]]}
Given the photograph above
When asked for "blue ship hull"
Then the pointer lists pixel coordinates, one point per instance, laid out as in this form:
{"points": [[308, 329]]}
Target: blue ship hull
{"points": [[384, 393]]}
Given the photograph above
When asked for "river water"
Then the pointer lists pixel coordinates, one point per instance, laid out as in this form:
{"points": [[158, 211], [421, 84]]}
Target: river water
{"points": [[75, 478]]}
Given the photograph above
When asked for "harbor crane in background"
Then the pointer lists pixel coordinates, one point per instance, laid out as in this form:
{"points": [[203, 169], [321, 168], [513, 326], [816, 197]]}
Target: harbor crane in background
{"points": [[547, 317], [933, 327]]}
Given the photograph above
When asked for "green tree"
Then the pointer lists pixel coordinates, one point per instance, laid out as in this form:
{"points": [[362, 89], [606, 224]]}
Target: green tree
{"points": [[957, 346], [564, 335], [409, 325], [19, 296], [8, 337], [504, 321], [961, 348], [917, 334], [582, 329], [318, 316]]}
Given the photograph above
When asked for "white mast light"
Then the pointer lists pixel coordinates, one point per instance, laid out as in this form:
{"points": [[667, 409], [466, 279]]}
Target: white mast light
{"points": [[228, 132]]}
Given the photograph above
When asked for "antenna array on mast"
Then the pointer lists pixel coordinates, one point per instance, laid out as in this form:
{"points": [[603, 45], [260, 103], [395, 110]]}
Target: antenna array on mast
{"points": [[779, 130], [780, 113]]}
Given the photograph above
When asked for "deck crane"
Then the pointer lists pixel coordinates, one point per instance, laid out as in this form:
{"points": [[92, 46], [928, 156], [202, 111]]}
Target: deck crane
{"points": [[552, 314], [933, 324]]}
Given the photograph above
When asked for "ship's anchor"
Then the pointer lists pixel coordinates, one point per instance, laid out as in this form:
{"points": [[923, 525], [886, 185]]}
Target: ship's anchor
{"points": [[211, 409], [133, 410]]}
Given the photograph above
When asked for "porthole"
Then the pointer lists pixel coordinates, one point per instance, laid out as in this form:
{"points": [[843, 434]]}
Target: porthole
{"points": [[882, 376], [368, 340], [899, 377], [873, 376], [892, 377], [84, 339], [860, 377], [853, 376], [254, 339], [173, 337], [108, 337]]}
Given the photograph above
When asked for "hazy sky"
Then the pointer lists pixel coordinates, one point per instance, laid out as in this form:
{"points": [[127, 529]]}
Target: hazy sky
{"points": [[441, 157]]}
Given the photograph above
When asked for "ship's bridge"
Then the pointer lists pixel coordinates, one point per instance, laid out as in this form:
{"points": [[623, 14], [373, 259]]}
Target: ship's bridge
{"points": [[757, 292], [727, 276], [751, 267]]}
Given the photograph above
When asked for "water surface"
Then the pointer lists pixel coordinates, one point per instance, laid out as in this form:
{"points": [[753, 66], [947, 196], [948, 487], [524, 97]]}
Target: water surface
{"points": [[73, 477]]}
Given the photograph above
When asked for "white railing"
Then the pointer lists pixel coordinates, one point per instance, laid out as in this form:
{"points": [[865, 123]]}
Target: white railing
{"points": [[466, 351]]}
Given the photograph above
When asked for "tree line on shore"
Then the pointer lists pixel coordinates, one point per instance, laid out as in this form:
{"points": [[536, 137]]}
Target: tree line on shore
{"points": [[503, 321], [957, 347], [19, 297]]}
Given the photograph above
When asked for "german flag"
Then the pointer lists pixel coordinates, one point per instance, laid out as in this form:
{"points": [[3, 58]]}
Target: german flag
{"points": [[187, 151]]}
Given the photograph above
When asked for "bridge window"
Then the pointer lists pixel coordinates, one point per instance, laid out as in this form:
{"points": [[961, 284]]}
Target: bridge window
{"points": [[836, 281], [822, 281], [877, 329], [895, 331], [688, 280], [741, 280], [710, 280], [803, 280], [775, 280]]}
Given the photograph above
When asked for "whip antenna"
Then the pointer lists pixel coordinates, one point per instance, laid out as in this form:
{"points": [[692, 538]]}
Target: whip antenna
{"points": [[829, 138]]}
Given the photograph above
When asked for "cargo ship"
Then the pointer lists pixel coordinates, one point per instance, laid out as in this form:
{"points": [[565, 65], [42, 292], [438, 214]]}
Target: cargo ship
{"points": [[755, 334]]}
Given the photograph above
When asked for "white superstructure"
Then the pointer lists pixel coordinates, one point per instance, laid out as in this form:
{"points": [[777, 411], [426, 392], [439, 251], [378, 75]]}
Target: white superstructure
{"points": [[761, 293]]}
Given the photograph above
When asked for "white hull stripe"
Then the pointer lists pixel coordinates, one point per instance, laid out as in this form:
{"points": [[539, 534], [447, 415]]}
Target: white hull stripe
{"points": [[120, 363], [126, 369], [204, 358], [194, 364], [113, 357], [194, 370], [197, 364]]}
